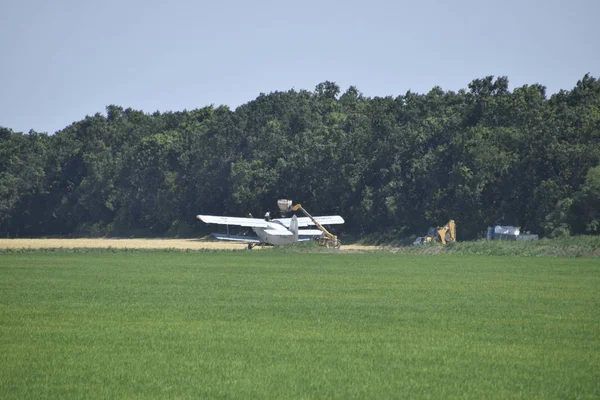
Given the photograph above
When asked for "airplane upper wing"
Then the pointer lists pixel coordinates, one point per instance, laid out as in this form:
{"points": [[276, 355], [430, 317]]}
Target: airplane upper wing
{"points": [[305, 221], [251, 222]]}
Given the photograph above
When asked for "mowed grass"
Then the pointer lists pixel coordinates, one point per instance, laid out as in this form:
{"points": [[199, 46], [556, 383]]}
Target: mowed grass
{"points": [[278, 325]]}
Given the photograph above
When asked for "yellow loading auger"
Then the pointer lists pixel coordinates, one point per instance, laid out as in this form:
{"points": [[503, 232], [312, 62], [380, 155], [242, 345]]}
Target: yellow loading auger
{"points": [[327, 239]]}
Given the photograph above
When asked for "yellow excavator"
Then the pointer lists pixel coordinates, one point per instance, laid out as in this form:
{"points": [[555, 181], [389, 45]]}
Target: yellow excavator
{"points": [[327, 239], [442, 234]]}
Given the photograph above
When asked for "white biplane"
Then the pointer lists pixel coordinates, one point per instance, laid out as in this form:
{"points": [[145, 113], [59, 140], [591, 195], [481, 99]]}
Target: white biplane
{"points": [[277, 232]]}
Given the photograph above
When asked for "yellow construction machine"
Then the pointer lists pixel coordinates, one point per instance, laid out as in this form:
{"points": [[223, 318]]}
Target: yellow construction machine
{"points": [[442, 234], [327, 239]]}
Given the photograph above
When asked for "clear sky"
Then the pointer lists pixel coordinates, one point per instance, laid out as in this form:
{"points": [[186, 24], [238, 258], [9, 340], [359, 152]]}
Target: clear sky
{"points": [[64, 59]]}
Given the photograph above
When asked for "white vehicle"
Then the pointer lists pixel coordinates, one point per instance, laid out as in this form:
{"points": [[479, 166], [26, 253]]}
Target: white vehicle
{"points": [[419, 241], [277, 232]]}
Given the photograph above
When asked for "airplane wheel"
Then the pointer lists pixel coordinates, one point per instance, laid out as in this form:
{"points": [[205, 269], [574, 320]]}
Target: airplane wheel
{"points": [[250, 246]]}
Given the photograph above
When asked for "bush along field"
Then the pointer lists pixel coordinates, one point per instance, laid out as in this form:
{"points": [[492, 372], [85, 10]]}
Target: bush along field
{"points": [[577, 246], [276, 324]]}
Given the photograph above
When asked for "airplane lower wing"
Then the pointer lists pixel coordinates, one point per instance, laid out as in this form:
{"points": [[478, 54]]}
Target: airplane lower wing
{"points": [[308, 234], [237, 238], [250, 222], [305, 221]]}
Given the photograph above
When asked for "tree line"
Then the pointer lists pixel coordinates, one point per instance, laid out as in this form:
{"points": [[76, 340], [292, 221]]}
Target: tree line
{"points": [[390, 165]]}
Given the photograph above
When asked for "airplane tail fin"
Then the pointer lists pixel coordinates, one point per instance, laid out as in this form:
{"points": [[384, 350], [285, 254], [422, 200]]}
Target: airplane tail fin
{"points": [[294, 227]]}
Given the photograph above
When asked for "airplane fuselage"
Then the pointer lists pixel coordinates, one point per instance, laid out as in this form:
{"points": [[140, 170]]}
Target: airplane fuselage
{"points": [[276, 240]]}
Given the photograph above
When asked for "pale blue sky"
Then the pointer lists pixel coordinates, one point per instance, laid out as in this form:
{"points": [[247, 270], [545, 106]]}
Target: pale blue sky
{"points": [[62, 60]]}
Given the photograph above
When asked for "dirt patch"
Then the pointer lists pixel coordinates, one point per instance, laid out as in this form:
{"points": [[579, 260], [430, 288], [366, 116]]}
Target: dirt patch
{"points": [[183, 244]]}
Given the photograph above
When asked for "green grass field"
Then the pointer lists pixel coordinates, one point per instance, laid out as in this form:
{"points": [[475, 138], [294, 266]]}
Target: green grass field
{"points": [[272, 324]]}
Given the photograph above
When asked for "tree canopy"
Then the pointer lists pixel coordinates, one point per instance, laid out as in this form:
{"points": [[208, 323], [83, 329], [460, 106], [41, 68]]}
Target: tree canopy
{"points": [[481, 156]]}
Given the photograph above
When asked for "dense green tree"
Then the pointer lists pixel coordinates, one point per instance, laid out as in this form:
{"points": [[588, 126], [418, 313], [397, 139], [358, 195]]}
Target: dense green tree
{"points": [[22, 178], [585, 209], [482, 155]]}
